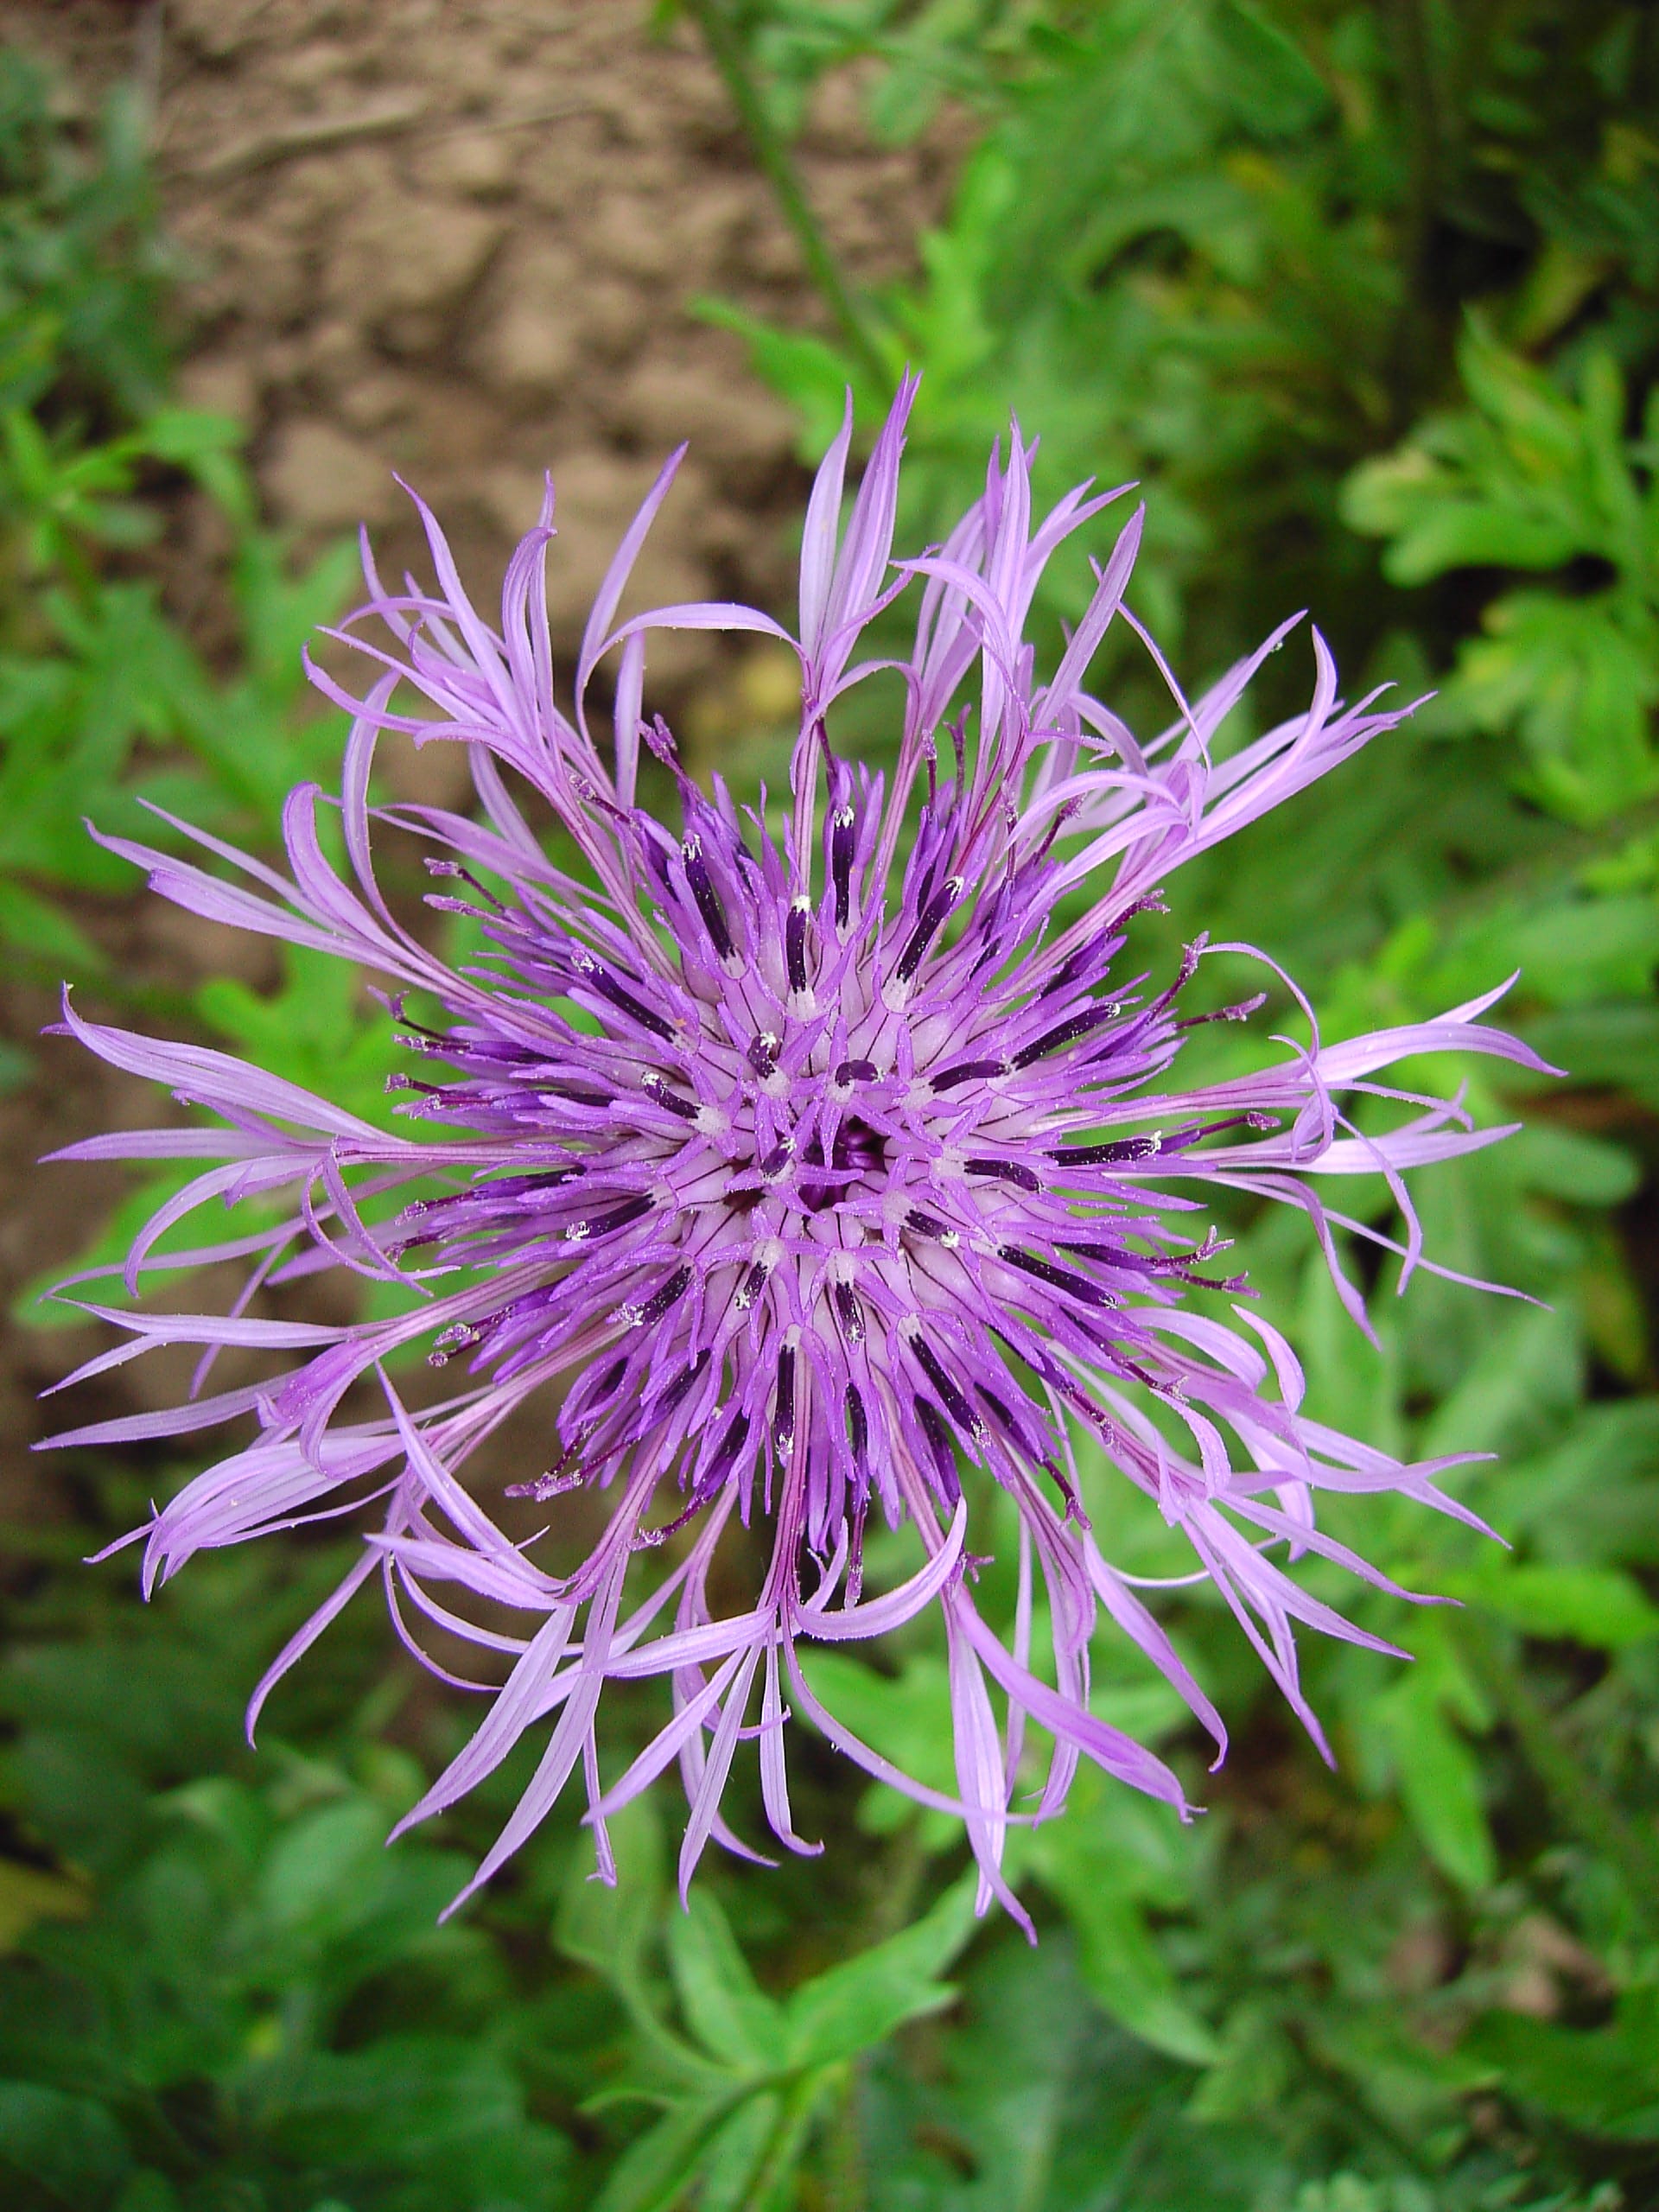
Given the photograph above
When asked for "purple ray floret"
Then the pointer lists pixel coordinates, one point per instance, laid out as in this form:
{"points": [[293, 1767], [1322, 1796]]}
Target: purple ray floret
{"points": [[800, 1178]]}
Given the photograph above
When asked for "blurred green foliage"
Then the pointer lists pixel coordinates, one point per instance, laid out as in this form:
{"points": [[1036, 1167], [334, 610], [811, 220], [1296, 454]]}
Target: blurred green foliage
{"points": [[107, 705], [1367, 293]]}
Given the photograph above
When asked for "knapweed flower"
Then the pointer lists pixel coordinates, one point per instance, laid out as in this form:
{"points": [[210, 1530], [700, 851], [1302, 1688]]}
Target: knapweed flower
{"points": [[801, 1177]]}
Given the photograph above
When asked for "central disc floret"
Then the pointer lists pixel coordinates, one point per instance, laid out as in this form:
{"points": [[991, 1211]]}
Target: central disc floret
{"points": [[795, 1177]]}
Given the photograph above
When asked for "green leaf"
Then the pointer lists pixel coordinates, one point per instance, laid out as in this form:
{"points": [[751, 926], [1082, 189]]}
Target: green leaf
{"points": [[653, 2173], [905, 1716], [1110, 1858], [1566, 1164], [320, 1030], [29, 1894], [609, 1927], [36, 1306], [149, 2191], [1603, 2082], [442, 2108], [1253, 2068], [1614, 1044], [859, 2002], [1573, 949], [1599, 1607], [813, 376], [1589, 1498], [731, 2163], [716, 1991], [1439, 1778], [1576, 681], [66, 2149], [1126, 1974], [1274, 86], [320, 1863], [30, 924], [1528, 1373]]}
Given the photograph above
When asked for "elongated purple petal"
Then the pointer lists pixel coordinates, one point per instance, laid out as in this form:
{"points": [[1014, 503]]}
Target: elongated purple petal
{"points": [[796, 1173]]}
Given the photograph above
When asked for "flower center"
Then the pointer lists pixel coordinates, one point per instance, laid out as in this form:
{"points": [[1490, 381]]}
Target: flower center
{"points": [[857, 1150]]}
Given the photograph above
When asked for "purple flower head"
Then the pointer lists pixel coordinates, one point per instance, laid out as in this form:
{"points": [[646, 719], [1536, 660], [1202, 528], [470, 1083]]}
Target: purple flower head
{"points": [[801, 1179]]}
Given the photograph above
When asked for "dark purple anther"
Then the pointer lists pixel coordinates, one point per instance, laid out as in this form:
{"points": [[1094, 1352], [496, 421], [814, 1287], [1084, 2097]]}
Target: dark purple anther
{"points": [[751, 1284], [663, 1300], [1005, 1171], [1067, 1033], [852, 1072], [858, 1425], [500, 1188], [842, 837], [763, 1054], [1045, 1271], [606, 1224], [1099, 1155], [725, 1453], [667, 1399], [600, 980], [656, 1089], [708, 899], [795, 943], [955, 1404], [967, 1072], [939, 1439], [783, 1416], [606, 1387], [851, 1313], [927, 1225], [927, 928]]}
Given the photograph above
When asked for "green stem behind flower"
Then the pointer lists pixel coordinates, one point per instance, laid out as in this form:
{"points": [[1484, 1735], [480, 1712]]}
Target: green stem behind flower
{"points": [[726, 51]]}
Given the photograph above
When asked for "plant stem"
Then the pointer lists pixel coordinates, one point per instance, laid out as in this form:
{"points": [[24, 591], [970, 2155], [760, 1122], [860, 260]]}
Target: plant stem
{"points": [[843, 2165], [1420, 122], [726, 50]]}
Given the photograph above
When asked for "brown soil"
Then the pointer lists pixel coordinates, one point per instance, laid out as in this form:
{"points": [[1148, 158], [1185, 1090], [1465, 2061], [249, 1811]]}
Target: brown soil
{"points": [[457, 240]]}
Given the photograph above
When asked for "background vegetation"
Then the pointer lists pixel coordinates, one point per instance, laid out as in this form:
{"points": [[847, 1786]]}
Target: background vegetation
{"points": [[1368, 294]]}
